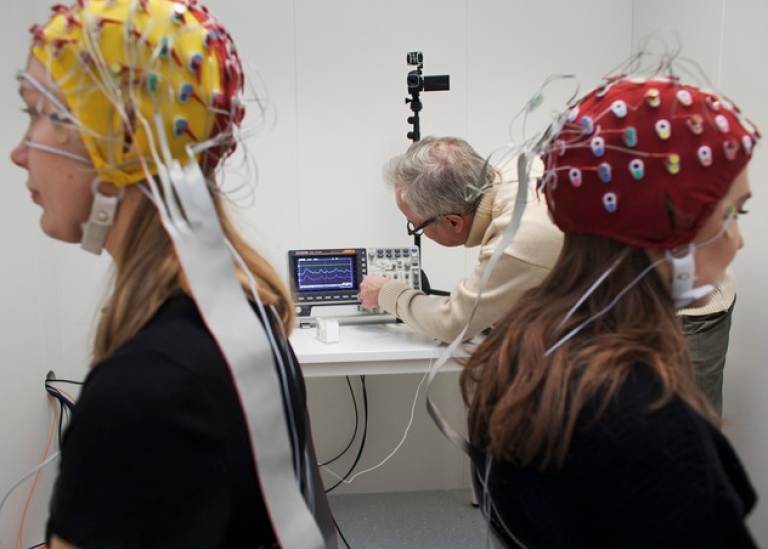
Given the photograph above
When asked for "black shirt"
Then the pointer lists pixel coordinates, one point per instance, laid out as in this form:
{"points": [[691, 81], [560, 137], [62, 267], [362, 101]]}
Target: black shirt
{"points": [[157, 454], [637, 478]]}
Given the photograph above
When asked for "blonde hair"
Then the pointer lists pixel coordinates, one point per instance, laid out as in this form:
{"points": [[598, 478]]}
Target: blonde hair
{"points": [[147, 272]]}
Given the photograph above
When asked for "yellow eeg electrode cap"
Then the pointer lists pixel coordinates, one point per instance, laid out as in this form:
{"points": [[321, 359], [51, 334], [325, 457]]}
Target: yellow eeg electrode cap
{"points": [[143, 58]]}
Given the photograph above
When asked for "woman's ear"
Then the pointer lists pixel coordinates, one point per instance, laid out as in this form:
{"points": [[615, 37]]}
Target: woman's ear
{"points": [[108, 189]]}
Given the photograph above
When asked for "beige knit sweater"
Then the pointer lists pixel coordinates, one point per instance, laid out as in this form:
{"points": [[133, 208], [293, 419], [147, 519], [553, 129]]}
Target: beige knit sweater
{"points": [[523, 265]]}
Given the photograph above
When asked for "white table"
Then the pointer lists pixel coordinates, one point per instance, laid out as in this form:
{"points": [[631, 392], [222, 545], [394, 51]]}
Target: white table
{"points": [[384, 349], [368, 349]]}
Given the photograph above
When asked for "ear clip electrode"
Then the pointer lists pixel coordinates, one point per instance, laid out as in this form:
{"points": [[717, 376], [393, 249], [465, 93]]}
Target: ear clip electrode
{"points": [[101, 219], [683, 277]]}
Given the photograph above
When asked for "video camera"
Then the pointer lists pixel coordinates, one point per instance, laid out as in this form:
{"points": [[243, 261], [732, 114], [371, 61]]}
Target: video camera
{"points": [[418, 83]]}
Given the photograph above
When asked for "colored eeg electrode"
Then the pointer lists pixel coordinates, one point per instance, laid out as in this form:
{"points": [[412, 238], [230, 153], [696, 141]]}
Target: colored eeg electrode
{"points": [[644, 161], [125, 67]]}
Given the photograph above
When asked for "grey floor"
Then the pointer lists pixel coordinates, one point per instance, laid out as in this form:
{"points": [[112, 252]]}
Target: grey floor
{"points": [[441, 519]]}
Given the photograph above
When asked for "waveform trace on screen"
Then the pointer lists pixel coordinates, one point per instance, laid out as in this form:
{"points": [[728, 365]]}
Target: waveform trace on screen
{"points": [[326, 274]]}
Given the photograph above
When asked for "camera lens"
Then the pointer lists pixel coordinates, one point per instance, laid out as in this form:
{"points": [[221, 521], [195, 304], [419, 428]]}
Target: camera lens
{"points": [[414, 81]]}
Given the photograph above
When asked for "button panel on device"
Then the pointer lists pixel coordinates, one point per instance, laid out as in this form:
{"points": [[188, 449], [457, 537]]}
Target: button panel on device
{"points": [[401, 264]]}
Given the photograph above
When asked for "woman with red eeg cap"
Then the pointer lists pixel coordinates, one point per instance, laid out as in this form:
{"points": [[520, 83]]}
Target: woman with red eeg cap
{"points": [[587, 426]]}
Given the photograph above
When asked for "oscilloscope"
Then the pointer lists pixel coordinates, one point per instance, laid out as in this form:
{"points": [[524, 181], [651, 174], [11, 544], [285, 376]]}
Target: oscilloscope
{"points": [[332, 276]]}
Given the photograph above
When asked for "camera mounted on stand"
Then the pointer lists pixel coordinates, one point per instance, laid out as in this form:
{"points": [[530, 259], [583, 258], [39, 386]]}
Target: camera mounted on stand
{"points": [[418, 83]]}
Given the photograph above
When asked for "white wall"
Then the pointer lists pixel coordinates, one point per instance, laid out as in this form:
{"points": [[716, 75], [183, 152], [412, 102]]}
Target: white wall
{"points": [[334, 75], [723, 36]]}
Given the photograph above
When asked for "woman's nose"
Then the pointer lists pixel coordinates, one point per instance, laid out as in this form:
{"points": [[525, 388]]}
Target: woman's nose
{"points": [[19, 154]]}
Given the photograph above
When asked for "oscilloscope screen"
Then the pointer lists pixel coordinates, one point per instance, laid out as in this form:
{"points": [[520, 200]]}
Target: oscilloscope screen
{"points": [[325, 273]]}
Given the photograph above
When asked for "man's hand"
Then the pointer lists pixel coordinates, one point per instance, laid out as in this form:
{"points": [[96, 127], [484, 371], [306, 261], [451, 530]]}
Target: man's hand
{"points": [[369, 290]]}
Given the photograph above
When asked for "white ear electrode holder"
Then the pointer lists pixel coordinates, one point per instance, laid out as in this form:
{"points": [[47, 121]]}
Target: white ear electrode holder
{"points": [[683, 277]]}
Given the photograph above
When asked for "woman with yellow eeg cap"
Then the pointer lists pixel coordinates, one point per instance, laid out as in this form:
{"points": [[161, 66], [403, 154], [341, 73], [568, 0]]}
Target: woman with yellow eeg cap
{"points": [[158, 451]]}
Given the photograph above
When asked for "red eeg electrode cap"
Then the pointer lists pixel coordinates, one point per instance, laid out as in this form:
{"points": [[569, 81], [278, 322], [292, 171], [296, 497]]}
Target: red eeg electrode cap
{"points": [[645, 162]]}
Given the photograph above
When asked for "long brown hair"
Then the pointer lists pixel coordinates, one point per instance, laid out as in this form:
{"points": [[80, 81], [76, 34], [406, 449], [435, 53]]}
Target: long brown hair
{"points": [[147, 272], [523, 405]]}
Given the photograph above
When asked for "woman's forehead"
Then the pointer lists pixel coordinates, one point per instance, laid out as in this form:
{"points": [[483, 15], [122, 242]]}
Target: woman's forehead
{"points": [[740, 189], [36, 72]]}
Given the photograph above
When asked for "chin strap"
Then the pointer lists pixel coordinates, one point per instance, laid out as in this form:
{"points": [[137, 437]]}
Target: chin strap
{"points": [[100, 220], [683, 276]]}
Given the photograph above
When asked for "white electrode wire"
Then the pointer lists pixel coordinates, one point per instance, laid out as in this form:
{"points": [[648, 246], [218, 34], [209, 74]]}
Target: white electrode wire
{"points": [[212, 73], [525, 160], [729, 216], [589, 292], [521, 199], [397, 447], [19, 482], [162, 172], [489, 508], [45, 92], [535, 101], [577, 329], [487, 501], [605, 309], [63, 116], [104, 81], [53, 150], [60, 118]]}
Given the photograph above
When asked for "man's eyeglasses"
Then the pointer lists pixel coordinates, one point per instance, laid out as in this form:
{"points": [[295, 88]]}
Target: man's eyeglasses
{"points": [[419, 229]]}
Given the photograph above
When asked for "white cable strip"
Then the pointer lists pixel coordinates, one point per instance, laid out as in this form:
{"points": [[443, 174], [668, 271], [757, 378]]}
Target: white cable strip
{"points": [[281, 367], [517, 214], [201, 249], [163, 170]]}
